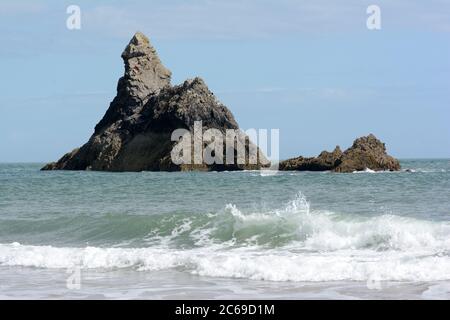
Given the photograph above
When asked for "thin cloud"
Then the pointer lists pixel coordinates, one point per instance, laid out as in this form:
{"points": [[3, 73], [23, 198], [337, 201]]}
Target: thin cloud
{"points": [[259, 19]]}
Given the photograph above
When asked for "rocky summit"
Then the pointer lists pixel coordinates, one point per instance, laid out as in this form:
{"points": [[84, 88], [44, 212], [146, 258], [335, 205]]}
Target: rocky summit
{"points": [[365, 153], [135, 132]]}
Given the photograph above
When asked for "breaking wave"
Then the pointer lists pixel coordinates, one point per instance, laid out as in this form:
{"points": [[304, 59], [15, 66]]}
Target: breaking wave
{"points": [[293, 243]]}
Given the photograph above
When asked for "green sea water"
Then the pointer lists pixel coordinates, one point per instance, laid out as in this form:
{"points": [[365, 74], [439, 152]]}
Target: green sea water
{"points": [[290, 227]]}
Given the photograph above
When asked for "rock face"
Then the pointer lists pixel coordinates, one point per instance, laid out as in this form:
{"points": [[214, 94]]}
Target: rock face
{"points": [[135, 133], [144, 76], [365, 153], [325, 161]]}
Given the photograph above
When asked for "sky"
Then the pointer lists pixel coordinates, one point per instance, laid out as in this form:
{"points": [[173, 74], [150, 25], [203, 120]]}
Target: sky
{"points": [[311, 69]]}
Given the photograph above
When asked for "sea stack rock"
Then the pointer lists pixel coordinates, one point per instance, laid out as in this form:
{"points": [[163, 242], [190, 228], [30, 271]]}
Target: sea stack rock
{"points": [[135, 133], [365, 153]]}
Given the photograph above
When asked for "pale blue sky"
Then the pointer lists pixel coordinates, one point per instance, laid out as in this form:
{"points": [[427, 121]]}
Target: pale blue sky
{"points": [[310, 68]]}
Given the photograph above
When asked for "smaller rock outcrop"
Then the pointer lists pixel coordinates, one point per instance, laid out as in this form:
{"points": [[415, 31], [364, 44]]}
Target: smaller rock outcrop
{"points": [[365, 153], [325, 161]]}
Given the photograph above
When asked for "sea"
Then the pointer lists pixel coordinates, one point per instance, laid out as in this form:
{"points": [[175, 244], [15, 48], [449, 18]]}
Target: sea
{"points": [[225, 235]]}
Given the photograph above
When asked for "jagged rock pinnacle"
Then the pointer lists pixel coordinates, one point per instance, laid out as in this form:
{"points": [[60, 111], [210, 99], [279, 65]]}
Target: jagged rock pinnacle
{"points": [[145, 75], [143, 70], [139, 45], [135, 132]]}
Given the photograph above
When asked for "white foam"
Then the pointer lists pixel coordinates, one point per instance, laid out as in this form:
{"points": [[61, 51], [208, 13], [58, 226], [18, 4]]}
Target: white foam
{"points": [[328, 231], [327, 247], [387, 232], [248, 263], [368, 170]]}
